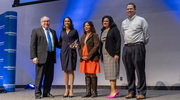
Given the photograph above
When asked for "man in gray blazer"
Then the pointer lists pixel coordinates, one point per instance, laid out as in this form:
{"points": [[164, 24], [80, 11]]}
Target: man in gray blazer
{"points": [[43, 52]]}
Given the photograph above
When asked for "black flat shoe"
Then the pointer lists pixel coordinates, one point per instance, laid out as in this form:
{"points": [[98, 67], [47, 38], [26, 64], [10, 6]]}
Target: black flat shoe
{"points": [[48, 95]]}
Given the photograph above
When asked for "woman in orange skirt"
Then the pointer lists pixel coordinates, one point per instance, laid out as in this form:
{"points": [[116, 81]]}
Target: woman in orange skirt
{"points": [[89, 58]]}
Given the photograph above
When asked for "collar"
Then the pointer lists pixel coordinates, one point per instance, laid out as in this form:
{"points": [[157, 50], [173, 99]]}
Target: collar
{"points": [[44, 28], [132, 17]]}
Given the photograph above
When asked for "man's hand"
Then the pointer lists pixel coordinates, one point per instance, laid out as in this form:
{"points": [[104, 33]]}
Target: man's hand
{"points": [[35, 60]]}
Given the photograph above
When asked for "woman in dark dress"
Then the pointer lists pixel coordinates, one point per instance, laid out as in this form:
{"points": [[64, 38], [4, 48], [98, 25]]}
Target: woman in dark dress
{"points": [[68, 54]]}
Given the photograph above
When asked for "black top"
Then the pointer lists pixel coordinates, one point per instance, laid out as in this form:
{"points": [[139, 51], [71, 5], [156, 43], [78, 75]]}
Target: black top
{"points": [[113, 42]]}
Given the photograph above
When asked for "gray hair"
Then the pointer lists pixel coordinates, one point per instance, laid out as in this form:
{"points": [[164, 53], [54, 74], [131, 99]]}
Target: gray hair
{"points": [[44, 17]]}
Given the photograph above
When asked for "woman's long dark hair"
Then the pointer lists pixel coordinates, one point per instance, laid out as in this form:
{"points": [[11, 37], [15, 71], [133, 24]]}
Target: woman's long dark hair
{"points": [[71, 24], [91, 25], [111, 22]]}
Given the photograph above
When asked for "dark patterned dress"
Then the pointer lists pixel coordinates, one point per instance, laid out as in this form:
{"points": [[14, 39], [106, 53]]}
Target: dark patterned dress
{"points": [[111, 67]]}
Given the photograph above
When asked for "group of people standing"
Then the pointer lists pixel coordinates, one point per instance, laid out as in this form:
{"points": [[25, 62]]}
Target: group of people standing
{"points": [[91, 49]]}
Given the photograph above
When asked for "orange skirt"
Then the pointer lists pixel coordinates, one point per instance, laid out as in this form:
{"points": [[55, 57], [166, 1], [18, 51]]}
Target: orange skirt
{"points": [[88, 66]]}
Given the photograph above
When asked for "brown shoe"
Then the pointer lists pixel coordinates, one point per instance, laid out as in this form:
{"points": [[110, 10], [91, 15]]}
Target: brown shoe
{"points": [[129, 96], [139, 97]]}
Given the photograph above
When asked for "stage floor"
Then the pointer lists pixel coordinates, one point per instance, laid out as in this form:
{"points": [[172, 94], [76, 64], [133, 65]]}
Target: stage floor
{"points": [[28, 94]]}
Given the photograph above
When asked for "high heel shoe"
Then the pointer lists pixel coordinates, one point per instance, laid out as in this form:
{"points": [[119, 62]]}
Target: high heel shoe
{"points": [[71, 95], [117, 92], [64, 96]]}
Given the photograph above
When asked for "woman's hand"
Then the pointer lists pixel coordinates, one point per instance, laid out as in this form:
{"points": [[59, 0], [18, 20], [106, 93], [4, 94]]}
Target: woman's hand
{"points": [[85, 58], [74, 47], [116, 58], [102, 61]]}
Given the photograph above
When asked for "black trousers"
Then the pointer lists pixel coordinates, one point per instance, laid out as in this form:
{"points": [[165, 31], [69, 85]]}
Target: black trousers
{"points": [[134, 60], [45, 71]]}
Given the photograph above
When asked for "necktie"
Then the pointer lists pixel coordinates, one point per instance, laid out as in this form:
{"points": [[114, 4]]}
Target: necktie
{"points": [[49, 40]]}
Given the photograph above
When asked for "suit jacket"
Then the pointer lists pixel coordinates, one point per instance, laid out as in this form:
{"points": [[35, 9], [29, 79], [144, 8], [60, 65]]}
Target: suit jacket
{"points": [[39, 45], [92, 47]]}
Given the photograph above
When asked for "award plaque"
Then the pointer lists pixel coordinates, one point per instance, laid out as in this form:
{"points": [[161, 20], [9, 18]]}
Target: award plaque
{"points": [[74, 43]]}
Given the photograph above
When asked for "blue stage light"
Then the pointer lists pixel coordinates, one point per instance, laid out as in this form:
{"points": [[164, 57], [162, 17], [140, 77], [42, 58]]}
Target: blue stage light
{"points": [[79, 11], [173, 5], [30, 86], [2, 89]]}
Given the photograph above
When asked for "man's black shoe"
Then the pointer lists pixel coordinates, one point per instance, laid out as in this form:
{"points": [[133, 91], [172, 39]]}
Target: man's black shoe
{"points": [[48, 95], [37, 97]]}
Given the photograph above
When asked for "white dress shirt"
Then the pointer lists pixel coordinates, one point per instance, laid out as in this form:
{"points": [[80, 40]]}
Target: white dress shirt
{"points": [[52, 40], [135, 30]]}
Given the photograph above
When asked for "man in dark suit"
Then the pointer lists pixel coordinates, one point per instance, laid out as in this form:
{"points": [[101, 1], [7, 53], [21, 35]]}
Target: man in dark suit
{"points": [[43, 52]]}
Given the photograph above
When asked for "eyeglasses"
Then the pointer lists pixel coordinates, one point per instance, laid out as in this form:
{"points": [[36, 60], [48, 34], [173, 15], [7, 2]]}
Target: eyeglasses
{"points": [[45, 21]]}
